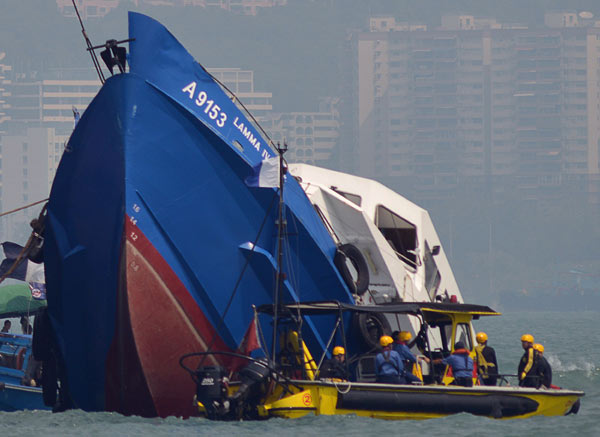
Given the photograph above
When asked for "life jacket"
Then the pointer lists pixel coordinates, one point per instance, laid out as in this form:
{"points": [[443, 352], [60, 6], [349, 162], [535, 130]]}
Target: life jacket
{"points": [[465, 352], [482, 364], [528, 364]]}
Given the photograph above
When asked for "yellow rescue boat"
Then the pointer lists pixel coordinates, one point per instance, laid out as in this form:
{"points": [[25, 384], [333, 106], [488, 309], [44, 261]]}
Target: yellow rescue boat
{"points": [[387, 401], [290, 386]]}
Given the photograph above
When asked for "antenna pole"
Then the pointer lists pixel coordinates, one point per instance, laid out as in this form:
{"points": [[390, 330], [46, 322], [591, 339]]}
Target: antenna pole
{"points": [[89, 46], [280, 237]]}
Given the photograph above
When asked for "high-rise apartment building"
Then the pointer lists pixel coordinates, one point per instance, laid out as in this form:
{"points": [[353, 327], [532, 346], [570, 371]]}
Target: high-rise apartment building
{"points": [[4, 92], [476, 102], [312, 137], [241, 83]]}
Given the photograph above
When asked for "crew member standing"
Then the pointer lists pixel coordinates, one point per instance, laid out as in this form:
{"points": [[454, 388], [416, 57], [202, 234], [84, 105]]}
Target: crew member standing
{"points": [[388, 364], [461, 364], [527, 371], [544, 370], [408, 359], [487, 366]]}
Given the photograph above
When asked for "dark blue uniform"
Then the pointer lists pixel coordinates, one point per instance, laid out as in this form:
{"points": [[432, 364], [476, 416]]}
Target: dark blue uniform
{"points": [[462, 367]]}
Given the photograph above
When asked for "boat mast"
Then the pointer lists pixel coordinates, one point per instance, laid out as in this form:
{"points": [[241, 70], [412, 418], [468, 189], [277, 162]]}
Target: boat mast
{"points": [[89, 47], [281, 224]]}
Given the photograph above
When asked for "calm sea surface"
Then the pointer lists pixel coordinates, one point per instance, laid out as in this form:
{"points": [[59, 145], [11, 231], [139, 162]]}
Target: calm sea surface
{"points": [[571, 340]]}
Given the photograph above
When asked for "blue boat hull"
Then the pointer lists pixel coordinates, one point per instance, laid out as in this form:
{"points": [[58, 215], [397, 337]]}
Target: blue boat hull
{"points": [[155, 244], [17, 397]]}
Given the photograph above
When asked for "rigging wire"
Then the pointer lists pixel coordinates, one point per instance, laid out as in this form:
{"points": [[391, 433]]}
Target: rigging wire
{"points": [[236, 100], [90, 47], [239, 280]]}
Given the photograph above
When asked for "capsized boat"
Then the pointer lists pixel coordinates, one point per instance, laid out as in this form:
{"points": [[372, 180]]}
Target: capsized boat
{"points": [[291, 388], [156, 243]]}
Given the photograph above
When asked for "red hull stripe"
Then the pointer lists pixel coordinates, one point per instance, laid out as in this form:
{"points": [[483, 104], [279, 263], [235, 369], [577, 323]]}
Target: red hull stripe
{"points": [[165, 322]]}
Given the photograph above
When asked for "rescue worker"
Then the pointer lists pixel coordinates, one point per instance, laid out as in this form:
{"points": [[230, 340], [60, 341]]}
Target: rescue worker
{"points": [[544, 370], [389, 368], [461, 364], [487, 366], [527, 371], [408, 359], [335, 367]]}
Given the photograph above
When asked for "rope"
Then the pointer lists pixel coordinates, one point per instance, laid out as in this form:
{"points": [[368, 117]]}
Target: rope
{"points": [[23, 207], [340, 391]]}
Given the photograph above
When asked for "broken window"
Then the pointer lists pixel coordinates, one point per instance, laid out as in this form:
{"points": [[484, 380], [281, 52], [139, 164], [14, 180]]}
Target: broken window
{"points": [[399, 233]]}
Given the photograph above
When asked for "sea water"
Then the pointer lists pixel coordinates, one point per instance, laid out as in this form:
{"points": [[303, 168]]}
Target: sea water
{"points": [[572, 346]]}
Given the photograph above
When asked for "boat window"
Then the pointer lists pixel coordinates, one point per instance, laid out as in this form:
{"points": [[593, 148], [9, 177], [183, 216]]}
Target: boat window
{"points": [[443, 331], [399, 233], [447, 338], [354, 198], [463, 333], [432, 274]]}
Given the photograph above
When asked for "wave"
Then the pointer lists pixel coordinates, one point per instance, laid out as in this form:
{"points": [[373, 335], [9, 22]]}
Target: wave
{"points": [[577, 365]]}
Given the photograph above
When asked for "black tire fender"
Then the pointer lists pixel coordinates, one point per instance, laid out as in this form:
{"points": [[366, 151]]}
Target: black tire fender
{"points": [[370, 327], [350, 252]]}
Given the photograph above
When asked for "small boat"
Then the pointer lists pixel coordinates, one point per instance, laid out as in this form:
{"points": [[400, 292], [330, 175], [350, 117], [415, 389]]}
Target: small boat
{"points": [[291, 388], [16, 359]]}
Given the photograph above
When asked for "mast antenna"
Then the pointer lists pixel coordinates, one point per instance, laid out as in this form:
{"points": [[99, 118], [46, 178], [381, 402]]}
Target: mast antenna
{"points": [[281, 224], [89, 46]]}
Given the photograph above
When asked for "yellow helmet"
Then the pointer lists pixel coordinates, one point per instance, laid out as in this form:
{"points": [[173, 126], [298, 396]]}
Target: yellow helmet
{"points": [[338, 350], [538, 347], [405, 336], [528, 338], [385, 340], [481, 337]]}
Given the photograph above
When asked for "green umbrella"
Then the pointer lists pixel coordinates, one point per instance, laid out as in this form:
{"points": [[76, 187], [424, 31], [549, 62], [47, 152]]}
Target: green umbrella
{"points": [[16, 300]]}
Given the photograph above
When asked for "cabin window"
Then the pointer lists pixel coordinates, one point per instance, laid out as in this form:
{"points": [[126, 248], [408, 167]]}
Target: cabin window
{"points": [[354, 198], [463, 333], [447, 337], [399, 233], [432, 274]]}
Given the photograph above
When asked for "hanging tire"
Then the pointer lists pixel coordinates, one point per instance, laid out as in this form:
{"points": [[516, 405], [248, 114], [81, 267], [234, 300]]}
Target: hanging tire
{"points": [[352, 253], [370, 327]]}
